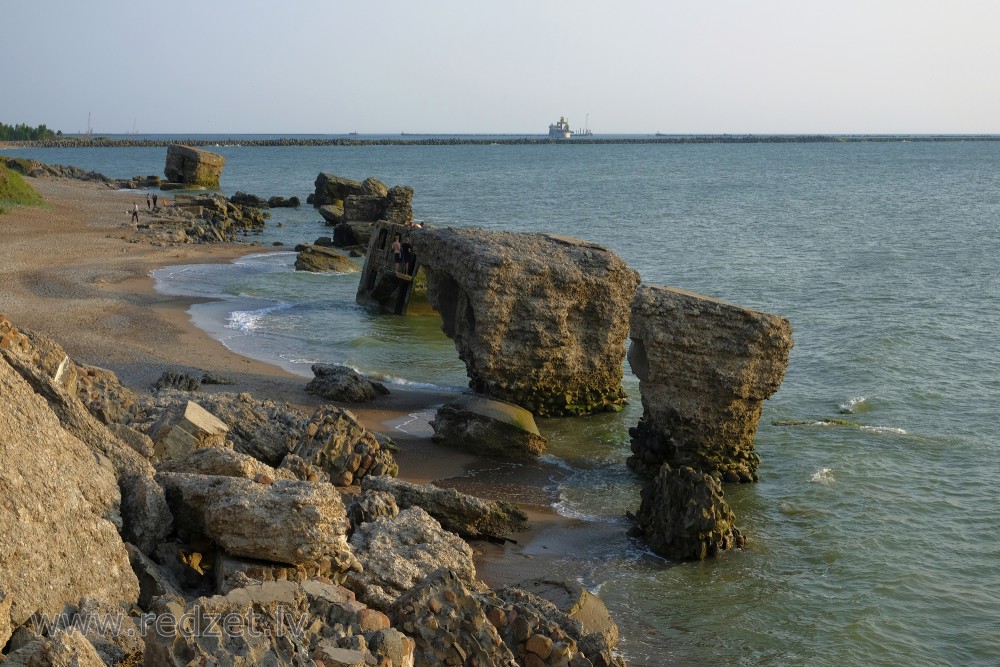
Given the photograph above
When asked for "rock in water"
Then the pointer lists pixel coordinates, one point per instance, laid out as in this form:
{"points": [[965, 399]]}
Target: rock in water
{"points": [[684, 515], [331, 189], [317, 259], [705, 368], [193, 166], [540, 320], [340, 383], [488, 427]]}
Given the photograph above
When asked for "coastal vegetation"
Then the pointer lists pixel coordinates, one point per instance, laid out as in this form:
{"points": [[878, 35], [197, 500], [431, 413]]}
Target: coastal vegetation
{"points": [[22, 132], [14, 191]]}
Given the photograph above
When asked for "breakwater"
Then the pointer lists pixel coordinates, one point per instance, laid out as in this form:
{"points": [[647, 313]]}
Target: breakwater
{"points": [[419, 140]]}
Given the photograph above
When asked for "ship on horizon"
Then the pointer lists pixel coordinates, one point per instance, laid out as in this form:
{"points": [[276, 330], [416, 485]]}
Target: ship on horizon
{"points": [[560, 130]]}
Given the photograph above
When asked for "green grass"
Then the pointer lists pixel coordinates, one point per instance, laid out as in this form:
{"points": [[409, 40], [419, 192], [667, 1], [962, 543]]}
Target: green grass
{"points": [[14, 191]]}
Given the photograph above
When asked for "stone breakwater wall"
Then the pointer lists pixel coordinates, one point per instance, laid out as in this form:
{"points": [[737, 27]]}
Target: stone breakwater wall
{"points": [[418, 140]]}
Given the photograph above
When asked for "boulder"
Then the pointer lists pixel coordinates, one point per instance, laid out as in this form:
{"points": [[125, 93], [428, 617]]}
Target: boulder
{"points": [[448, 624], [144, 517], [283, 521], [370, 505], [223, 462], [193, 166], [333, 214], [104, 396], [398, 204], [182, 429], [65, 648], [397, 553], [331, 189], [263, 429], [538, 633], [705, 368], [335, 442], [282, 202], [245, 199], [340, 383], [580, 612], [540, 320], [231, 572], [317, 258], [154, 580], [59, 507], [684, 516], [458, 512], [274, 623], [374, 187], [364, 208], [488, 427]]}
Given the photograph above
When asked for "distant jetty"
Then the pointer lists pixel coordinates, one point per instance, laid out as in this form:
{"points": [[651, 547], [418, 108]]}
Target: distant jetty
{"points": [[423, 140]]}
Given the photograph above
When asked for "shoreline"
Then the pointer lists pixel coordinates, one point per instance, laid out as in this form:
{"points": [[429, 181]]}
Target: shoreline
{"points": [[74, 270]]}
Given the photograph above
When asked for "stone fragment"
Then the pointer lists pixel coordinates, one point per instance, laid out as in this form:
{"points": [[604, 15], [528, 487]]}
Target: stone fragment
{"points": [[225, 462], [398, 204], [335, 442], [193, 166], [684, 516], [539, 320], [577, 604], [364, 208], [331, 189], [370, 505], [287, 522], [181, 430], [341, 383], [458, 512], [154, 580], [318, 259], [66, 648], [458, 633], [374, 187], [488, 427], [273, 623], [231, 572], [705, 368], [333, 214], [396, 553]]}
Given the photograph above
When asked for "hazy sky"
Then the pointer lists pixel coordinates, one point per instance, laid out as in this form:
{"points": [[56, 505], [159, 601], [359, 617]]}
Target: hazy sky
{"points": [[327, 66]]}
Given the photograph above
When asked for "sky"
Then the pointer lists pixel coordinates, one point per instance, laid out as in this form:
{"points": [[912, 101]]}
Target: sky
{"points": [[471, 66]]}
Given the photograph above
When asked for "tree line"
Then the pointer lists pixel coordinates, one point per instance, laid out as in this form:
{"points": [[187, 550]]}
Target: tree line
{"points": [[22, 132]]}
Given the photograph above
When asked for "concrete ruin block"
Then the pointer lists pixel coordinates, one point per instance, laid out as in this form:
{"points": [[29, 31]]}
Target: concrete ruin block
{"points": [[540, 320], [193, 166], [705, 368], [488, 427], [181, 430]]}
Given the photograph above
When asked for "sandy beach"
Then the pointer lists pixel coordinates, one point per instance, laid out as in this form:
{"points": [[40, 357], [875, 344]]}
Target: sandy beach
{"points": [[76, 271]]}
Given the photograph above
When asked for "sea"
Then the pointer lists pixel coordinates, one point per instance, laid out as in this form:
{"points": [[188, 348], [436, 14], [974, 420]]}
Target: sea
{"points": [[870, 532]]}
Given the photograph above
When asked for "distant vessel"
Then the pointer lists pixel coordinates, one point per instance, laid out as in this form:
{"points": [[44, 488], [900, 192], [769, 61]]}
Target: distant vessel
{"points": [[585, 132], [352, 134], [660, 134], [560, 130]]}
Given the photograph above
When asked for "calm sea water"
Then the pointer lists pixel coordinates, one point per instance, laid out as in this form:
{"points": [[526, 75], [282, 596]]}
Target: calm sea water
{"points": [[871, 538]]}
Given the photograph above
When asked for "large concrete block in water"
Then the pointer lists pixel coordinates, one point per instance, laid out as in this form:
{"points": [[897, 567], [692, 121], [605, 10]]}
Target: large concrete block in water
{"points": [[705, 368], [540, 320], [193, 166]]}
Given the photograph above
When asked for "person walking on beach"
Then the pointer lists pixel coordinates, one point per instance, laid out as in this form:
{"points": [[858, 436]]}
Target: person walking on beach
{"points": [[154, 200], [397, 254], [149, 204], [135, 213]]}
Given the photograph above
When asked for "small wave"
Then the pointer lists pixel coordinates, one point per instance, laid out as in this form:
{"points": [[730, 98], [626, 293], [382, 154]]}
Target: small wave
{"points": [[416, 423], [249, 320], [556, 461], [884, 429], [853, 405], [823, 476], [410, 384]]}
